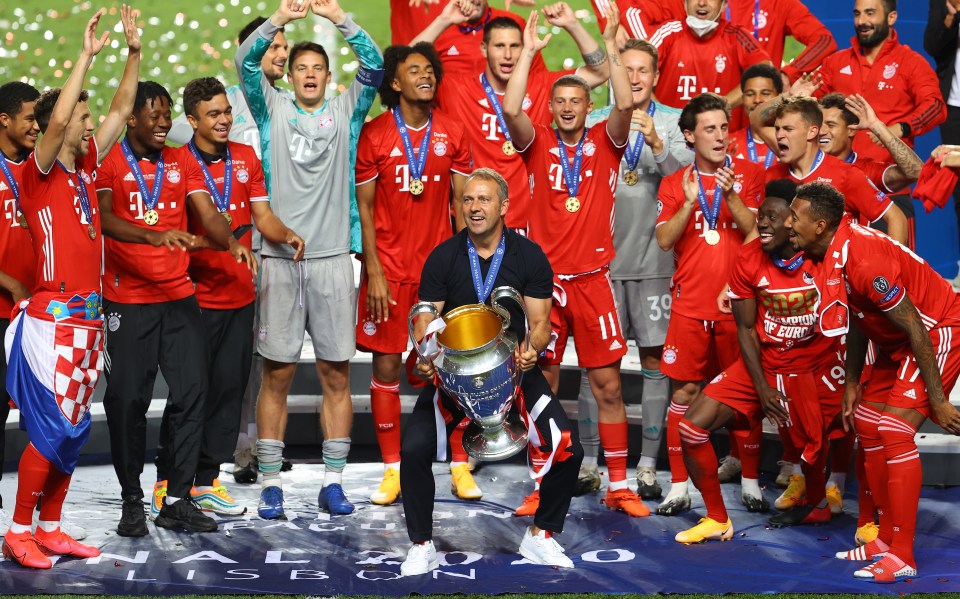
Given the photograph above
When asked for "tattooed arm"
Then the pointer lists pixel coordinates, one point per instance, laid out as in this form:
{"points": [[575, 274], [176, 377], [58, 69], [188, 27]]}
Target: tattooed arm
{"points": [[908, 164]]}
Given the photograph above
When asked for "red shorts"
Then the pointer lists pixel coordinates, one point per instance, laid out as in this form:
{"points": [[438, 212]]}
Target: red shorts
{"points": [[585, 308], [696, 350], [391, 335], [899, 384]]}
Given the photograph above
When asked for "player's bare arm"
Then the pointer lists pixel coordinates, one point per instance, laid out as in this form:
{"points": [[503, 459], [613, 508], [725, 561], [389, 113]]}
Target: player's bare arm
{"points": [[771, 400], [117, 228], [379, 298], [596, 69], [456, 12], [519, 124], [122, 104], [763, 117], [669, 232], [15, 288], [904, 315], [853, 370], [908, 164], [274, 231], [218, 229], [618, 123], [538, 315]]}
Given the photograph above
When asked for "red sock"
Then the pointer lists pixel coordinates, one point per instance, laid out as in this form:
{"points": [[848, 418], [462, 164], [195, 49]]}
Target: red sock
{"points": [[749, 443], [864, 494], [841, 452], [613, 439], [701, 461], [457, 452], [791, 453], [678, 470], [815, 479], [904, 477], [875, 464], [734, 445], [385, 407], [54, 494], [32, 477]]}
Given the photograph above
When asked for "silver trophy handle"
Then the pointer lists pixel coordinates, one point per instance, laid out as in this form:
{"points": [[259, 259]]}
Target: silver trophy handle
{"points": [[418, 309], [509, 292]]}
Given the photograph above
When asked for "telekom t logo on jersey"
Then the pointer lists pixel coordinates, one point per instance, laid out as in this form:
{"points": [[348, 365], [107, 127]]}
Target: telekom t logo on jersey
{"points": [[9, 212], [688, 87], [491, 127]]}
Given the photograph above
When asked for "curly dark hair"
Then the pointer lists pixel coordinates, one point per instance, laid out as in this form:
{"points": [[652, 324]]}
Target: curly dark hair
{"points": [[14, 95], [149, 90], [701, 103], [43, 109], [826, 202], [393, 57], [200, 90]]}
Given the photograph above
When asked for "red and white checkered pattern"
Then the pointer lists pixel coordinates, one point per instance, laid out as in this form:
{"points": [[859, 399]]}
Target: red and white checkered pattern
{"points": [[79, 362]]}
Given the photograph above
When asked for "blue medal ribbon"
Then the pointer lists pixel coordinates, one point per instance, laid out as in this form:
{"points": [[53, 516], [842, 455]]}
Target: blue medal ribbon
{"points": [[81, 193], [790, 265], [710, 213], [149, 199], [756, 19], [495, 105], [571, 176], [851, 157], [221, 200], [752, 151], [485, 286], [416, 163], [14, 188], [632, 154], [467, 28]]}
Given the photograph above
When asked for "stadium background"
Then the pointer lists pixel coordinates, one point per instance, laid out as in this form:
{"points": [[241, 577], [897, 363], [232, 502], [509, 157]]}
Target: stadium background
{"points": [[187, 39]]}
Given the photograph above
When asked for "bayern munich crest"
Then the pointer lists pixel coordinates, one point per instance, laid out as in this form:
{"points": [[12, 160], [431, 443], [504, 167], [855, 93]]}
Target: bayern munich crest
{"points": [[369, 328], [439, 148], [589, 148], [173, 176], [890, 70], [669, 355], [242, 175], [721, 63]]}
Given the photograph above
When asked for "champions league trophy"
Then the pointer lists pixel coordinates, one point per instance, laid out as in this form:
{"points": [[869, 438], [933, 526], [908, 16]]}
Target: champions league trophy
{"points": [[472, 352]]}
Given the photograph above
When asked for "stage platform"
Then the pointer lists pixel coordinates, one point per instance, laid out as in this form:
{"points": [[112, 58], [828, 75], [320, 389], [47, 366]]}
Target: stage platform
{"points": [[360, 554]]}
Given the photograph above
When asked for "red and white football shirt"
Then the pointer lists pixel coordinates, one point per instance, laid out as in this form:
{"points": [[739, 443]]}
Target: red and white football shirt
{"points": [[221, 282], [16, 253], [459, 45], [138, 273], [874, 170], [739, 140], [702, 270], [865, 203], [68, 260], [581, 241], [786, 312], [462, 97], [408, 227]]}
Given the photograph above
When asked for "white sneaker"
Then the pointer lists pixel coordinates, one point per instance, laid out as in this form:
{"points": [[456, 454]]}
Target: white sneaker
{"points": [[67, 524], [730, 468], [420, 559], [544, 550]]}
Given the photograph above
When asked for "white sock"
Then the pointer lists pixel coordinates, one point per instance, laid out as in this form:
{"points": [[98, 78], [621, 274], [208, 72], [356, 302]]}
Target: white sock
{"points": [[48, 525], [19, 528], [172, 500], [797, 469], [616, 486], [750, 486], [332, 478], [647, 462], [455, 464], [394, 465], [272, 482], [839, 479], [590, 460], [678, 489]]}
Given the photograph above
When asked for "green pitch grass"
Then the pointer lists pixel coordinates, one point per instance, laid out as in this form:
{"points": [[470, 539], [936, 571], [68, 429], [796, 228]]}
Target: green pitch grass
{"points": [[184, 39]]}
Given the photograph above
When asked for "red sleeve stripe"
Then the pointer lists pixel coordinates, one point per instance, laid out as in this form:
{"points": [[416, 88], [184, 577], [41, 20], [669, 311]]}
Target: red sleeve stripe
{"points": [[813, 54]]}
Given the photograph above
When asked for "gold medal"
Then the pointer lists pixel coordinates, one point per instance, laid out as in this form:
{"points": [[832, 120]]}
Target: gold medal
{"points": [[91, 232], [22, 219], [416, 187], [227, 216], [631, 178], [508, 148], [151, 217], [572, 205], [712, 237]]}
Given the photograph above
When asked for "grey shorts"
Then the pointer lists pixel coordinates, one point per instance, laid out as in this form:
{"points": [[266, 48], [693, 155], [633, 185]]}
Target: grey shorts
{"points": [[317, 296], [644, 308]]}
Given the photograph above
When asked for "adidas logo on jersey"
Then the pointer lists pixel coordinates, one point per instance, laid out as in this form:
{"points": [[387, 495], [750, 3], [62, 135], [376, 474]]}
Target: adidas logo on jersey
{"points": [[3, 186], [615, 345], [846, 70], [129, 177], [910, 393], [453, 51], [396, 153], [763, 282]]}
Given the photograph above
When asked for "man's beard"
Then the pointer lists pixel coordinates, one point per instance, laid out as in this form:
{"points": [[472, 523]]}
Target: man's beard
{"points": [[880, 33]]}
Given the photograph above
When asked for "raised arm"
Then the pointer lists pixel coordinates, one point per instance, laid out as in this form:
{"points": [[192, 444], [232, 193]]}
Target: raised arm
{"points": [[618, 125], [456, 12], [122, 105], [52, 140], [763, 117], [596, 69], [908, 164], [518, 123]]}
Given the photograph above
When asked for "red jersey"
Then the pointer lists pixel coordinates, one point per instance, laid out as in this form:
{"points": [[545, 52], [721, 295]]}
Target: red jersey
{"points": [[879, 273], [462, 97], [406, 21], [702, 270], [68, 260], [873, 169], [739, 140], [138, 273], [768, 21], [221, 282], [786, 312], [408, 227], [900, 85], [580, 241], [459, 45], [864, 201], [690, 65], [16, 254]]}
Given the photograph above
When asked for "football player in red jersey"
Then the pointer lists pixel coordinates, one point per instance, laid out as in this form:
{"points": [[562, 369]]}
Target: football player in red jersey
{"points": [[574, 172], [873, 288], [705, 235], [411, 161], [58, 200], [759, 83]]}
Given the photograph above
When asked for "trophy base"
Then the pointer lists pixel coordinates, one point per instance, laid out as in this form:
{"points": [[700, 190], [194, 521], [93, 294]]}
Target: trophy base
{"points": [[498, 443]]}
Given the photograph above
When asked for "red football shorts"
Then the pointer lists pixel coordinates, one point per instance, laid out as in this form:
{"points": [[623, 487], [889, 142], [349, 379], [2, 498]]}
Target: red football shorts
{"points": [[585, 308], [389, 336], [696, 350]]}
